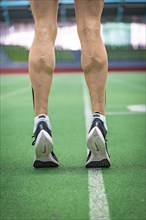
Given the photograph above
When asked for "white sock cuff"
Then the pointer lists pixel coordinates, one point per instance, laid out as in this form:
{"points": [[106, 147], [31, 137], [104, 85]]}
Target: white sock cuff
{"points": [[38, 119], [102, 118]]}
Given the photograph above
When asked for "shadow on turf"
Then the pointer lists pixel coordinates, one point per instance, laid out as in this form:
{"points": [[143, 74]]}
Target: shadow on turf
{"points": [[60, 170]]}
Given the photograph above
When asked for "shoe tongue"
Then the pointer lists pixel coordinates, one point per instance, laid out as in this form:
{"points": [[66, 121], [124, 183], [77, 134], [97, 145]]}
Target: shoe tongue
{"points": [[42, 116]]}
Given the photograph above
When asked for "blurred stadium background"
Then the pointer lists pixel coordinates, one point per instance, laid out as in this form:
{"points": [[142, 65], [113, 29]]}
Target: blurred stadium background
{"points": [[123, 31]]}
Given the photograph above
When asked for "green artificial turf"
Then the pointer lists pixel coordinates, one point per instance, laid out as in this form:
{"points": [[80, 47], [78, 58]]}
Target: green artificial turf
{"points": [[125, 182], [62, 193]]}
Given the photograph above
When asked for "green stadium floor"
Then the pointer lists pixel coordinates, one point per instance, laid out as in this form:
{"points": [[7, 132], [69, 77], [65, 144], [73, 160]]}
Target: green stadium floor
{"points": [[63, 193]]}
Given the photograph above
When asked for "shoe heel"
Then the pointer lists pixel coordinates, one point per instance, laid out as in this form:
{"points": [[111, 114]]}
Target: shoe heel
{"points": [[44, 145]]}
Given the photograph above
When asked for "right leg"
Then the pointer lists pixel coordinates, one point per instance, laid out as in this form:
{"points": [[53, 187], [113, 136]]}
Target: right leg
{"points": [[94, 65], [41, 67]]}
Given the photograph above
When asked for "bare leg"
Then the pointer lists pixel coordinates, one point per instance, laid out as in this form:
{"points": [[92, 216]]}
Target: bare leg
{"points": [[94, 57], [95, 67], [42, 56]]}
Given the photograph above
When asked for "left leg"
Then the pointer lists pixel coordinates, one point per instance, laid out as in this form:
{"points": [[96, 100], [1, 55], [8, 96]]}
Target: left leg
{"points": [[41, 67], [42, 54]]}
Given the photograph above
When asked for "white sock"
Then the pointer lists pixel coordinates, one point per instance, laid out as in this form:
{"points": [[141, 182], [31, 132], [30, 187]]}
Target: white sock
{"points": [[102, 118], [38, 119]]}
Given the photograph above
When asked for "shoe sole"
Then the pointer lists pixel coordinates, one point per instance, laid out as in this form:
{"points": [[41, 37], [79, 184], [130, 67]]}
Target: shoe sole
{"points": [[42, 164], [43, 148], [96, 144]]}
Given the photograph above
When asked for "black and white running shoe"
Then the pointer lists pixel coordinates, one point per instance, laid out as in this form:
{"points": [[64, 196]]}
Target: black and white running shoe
{"points": [[98, 156], [43, 143]]}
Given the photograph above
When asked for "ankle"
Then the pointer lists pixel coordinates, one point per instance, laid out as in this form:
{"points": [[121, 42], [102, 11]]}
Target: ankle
{"points": [[39, 118], [101, 117]]}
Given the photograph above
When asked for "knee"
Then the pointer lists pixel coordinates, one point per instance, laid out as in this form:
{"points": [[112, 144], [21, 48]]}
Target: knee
{"points": [[46, 32], [88, 31]]}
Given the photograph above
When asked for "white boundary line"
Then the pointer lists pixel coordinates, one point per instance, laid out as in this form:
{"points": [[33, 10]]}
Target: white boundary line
{"points": [[13, 93], [98, 205], [124, 113]]}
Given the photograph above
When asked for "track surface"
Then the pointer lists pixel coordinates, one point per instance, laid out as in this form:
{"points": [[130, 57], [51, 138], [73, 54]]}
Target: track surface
{"points": [[63, 193]]}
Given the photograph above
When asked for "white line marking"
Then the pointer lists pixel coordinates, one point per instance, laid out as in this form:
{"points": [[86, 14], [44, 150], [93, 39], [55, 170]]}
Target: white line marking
{"points": [[98, 205], [118, 105], [137, 108], [10, 94], [124, 113]]}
